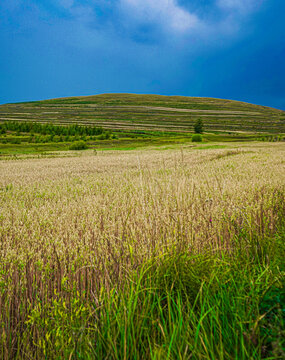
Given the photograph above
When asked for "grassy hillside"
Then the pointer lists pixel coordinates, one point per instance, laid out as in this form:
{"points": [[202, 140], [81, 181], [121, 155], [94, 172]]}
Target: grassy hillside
{"points": [[149, 112]]}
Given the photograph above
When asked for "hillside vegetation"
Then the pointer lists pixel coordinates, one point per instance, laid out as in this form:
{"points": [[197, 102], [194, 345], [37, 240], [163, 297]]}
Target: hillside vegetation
{"points": [[149, 112]]}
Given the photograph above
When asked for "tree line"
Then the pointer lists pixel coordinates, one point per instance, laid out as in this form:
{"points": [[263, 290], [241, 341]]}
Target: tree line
{"points": [[50, 129]]}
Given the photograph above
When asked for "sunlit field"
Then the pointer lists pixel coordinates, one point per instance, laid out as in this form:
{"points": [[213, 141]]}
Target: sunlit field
{"points": [[144, 254]]}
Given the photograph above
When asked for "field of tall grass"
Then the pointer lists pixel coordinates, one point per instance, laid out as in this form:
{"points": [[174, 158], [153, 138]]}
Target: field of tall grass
{"points": [[154, 254]]}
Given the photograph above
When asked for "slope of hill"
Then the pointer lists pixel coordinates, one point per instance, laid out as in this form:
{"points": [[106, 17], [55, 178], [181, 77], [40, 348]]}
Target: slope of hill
{"points": [[149, 112]]}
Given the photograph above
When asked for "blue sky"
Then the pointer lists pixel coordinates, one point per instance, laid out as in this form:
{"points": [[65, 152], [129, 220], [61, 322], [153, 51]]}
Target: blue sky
{"points": [[232, 49]]}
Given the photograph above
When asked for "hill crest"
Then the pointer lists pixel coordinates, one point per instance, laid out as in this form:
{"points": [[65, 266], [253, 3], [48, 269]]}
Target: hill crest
{"points": [[149, 112]]}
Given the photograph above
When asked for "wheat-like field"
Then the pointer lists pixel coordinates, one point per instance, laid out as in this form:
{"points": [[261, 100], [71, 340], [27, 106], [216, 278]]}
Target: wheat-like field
{"points": [[81, 226]]}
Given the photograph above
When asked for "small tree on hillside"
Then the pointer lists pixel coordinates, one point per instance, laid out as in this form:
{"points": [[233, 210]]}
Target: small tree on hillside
{"points": [[198, 127]]}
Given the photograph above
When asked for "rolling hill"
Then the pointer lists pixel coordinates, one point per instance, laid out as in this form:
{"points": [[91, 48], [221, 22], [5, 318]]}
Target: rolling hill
{"points": [[149, 112]]}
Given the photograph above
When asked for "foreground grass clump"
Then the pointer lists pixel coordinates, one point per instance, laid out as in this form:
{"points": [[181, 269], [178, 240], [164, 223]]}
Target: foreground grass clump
{"points": [[144, 255], [178, 314]]}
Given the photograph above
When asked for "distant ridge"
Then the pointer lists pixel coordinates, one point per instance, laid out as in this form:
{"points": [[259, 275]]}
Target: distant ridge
{"points": [[149, 112]]}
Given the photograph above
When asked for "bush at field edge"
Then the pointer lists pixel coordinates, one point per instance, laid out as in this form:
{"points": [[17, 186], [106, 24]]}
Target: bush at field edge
{"points": [[78, 145], [197, 138]]}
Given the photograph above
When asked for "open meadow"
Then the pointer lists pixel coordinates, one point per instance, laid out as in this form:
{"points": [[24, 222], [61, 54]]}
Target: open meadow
{"points": [[144, 254]]}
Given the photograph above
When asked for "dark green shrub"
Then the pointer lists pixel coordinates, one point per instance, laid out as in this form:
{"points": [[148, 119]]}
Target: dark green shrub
{"points": [[197, 138], [78, 145]]}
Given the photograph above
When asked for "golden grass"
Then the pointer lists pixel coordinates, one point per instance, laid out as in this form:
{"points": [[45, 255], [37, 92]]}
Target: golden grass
{"points": [[146, 198], [84, 222]]}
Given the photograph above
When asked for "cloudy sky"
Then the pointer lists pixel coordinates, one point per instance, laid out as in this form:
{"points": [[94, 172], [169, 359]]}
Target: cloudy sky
{"points": [[232, 49]]}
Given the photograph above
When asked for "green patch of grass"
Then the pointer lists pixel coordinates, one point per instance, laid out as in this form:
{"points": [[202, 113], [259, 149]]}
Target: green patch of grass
{"points": [[10, 144], [215, 146], [176, 306], [26, 148]]}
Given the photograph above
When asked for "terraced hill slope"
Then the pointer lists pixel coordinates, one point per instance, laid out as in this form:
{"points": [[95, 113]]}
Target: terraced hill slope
{"points": [[149, 112]]}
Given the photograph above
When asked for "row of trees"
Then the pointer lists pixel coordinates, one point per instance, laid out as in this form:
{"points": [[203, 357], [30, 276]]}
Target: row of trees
{"points": [[65, 130], [50, 129]]}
